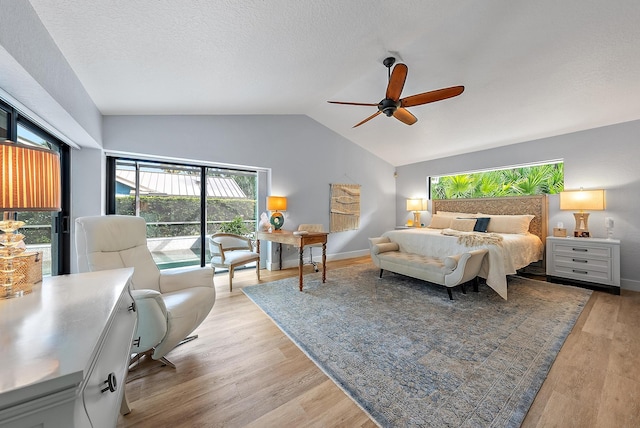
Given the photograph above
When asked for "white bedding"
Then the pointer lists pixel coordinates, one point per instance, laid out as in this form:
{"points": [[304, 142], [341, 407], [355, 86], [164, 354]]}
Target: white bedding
{"points": [[514, 252]]}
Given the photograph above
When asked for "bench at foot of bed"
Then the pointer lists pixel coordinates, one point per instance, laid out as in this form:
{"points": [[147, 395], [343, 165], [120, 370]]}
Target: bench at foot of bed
{"points": [[451, 271]]}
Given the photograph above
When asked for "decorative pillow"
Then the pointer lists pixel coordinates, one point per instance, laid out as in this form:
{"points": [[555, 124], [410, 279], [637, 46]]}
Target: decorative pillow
{"points": [[510, 223], [440, 222], [482, 223], [463, 224]]}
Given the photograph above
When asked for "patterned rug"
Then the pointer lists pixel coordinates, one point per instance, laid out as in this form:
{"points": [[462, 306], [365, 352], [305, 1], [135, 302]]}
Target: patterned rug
{"points": [[409, 356]]}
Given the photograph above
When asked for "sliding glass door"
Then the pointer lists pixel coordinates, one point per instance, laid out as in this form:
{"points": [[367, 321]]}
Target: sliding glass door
{"points": [[180, 212]]}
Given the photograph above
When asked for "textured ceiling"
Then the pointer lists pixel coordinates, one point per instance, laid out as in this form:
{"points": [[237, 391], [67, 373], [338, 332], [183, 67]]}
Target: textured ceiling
{"points": [[531, 69]]}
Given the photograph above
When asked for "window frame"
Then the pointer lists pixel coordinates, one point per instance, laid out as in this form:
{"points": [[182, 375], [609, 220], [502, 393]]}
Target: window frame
{"points": [[61, 246]]}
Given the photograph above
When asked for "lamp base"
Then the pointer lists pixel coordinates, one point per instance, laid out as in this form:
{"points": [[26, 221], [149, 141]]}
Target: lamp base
{"points": [[416, 219], [276, 220], [582, 225]]}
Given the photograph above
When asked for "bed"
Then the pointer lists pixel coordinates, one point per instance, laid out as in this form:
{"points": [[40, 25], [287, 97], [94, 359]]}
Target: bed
{"points": [[508, 252]]}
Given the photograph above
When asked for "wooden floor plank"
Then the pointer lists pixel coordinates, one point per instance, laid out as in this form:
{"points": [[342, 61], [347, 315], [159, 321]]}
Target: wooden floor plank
{"points": [[243, 371]]}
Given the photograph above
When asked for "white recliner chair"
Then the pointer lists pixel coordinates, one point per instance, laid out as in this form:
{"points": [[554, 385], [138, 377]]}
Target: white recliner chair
{"points": [[170, 305]]}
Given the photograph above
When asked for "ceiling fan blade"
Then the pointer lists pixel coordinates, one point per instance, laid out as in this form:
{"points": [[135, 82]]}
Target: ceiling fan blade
{"points": [[396, 81], [353, 104], [368, 119], [405, 116], [429, 97]]}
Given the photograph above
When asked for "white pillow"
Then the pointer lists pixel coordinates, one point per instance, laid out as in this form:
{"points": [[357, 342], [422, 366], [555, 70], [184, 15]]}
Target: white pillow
{"points": [[440, 221], [463, 224], [509, 223]]}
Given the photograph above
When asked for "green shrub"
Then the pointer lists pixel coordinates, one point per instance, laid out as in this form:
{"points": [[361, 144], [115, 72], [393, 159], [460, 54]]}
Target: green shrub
{"points": [[237, 226]]}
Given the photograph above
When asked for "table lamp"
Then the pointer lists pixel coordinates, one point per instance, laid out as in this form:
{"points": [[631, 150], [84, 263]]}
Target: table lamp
{"points": [[582, 200], [30, 181], [416, 205], [276, 204]]}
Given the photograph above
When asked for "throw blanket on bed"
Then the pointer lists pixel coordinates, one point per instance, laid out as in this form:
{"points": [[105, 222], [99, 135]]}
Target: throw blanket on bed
{"points": [[471, 239]]}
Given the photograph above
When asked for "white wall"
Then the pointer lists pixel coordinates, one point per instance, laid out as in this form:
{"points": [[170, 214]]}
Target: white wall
{"points": [[36, 78], [304, 158], [601, 158]]}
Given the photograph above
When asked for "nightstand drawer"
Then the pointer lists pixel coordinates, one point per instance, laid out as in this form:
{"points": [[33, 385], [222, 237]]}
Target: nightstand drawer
{"points": [[585, 274], [582, 263], [581, 250]]}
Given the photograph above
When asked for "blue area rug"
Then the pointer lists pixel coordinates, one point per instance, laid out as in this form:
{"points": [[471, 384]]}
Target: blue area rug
{"points": [[411, 357]]}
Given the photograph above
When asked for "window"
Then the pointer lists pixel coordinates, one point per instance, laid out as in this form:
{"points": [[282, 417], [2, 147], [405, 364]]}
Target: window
{"points": [[45, 232], [179, 211], [4, 125], [547, 178]]}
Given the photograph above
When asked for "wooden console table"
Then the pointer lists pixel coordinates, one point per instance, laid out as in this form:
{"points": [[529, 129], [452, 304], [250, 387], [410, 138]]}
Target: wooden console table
{"points": [[299, 241]]}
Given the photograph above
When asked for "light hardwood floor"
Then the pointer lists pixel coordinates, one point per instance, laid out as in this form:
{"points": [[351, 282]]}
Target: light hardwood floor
{"points": [[244, 372]]}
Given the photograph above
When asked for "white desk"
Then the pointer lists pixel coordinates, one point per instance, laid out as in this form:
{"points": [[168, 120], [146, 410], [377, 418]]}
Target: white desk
{"points": [[58, 346]]}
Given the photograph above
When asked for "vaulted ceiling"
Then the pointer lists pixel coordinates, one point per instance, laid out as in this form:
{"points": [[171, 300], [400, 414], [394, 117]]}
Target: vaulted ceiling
{"points": [[531, 69]]}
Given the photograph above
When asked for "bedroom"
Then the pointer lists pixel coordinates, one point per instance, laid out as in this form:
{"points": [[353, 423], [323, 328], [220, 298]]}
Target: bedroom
{"points": [[304, 155]]}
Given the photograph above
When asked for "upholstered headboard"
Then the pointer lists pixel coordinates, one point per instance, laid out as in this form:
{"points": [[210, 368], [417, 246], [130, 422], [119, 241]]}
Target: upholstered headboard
{"points": [[511, 205]]}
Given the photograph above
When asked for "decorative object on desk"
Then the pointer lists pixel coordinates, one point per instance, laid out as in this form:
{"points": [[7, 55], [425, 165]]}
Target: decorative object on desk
{"points": [[276, 204], [416, 205], [582, 200], [264, 224], [30, 181], [345, 207], [429, 373], [27, 271]]}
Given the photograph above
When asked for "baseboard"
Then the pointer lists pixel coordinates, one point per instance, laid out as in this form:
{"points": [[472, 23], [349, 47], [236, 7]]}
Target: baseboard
{"points": [[630, 284], [292, 263]]}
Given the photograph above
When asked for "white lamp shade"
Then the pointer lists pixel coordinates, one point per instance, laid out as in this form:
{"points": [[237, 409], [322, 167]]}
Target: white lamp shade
{"points": [[416, 204], [582, 200]]}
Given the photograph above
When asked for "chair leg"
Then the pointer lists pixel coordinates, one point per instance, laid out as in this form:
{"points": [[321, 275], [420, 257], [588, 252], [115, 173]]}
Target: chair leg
{"points": [[258, 269], [449, 292], [381, 270], [476, 282], [166, 362], [314, 264], [464, 289], [187, 339], [230, 278]]}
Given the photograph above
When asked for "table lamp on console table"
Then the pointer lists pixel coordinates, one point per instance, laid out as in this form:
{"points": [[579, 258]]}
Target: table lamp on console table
{"points": [[30, 181]]}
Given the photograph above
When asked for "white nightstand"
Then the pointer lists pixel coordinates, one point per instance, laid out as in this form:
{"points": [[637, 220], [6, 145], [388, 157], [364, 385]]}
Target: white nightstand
{"points": [[590, 262]]}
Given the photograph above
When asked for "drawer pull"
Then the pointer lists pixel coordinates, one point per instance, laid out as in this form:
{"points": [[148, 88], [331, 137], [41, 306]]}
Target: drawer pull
{"points": [[580, 260], [584, 272], [112, 383], [132, 307], [584, 250]]}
